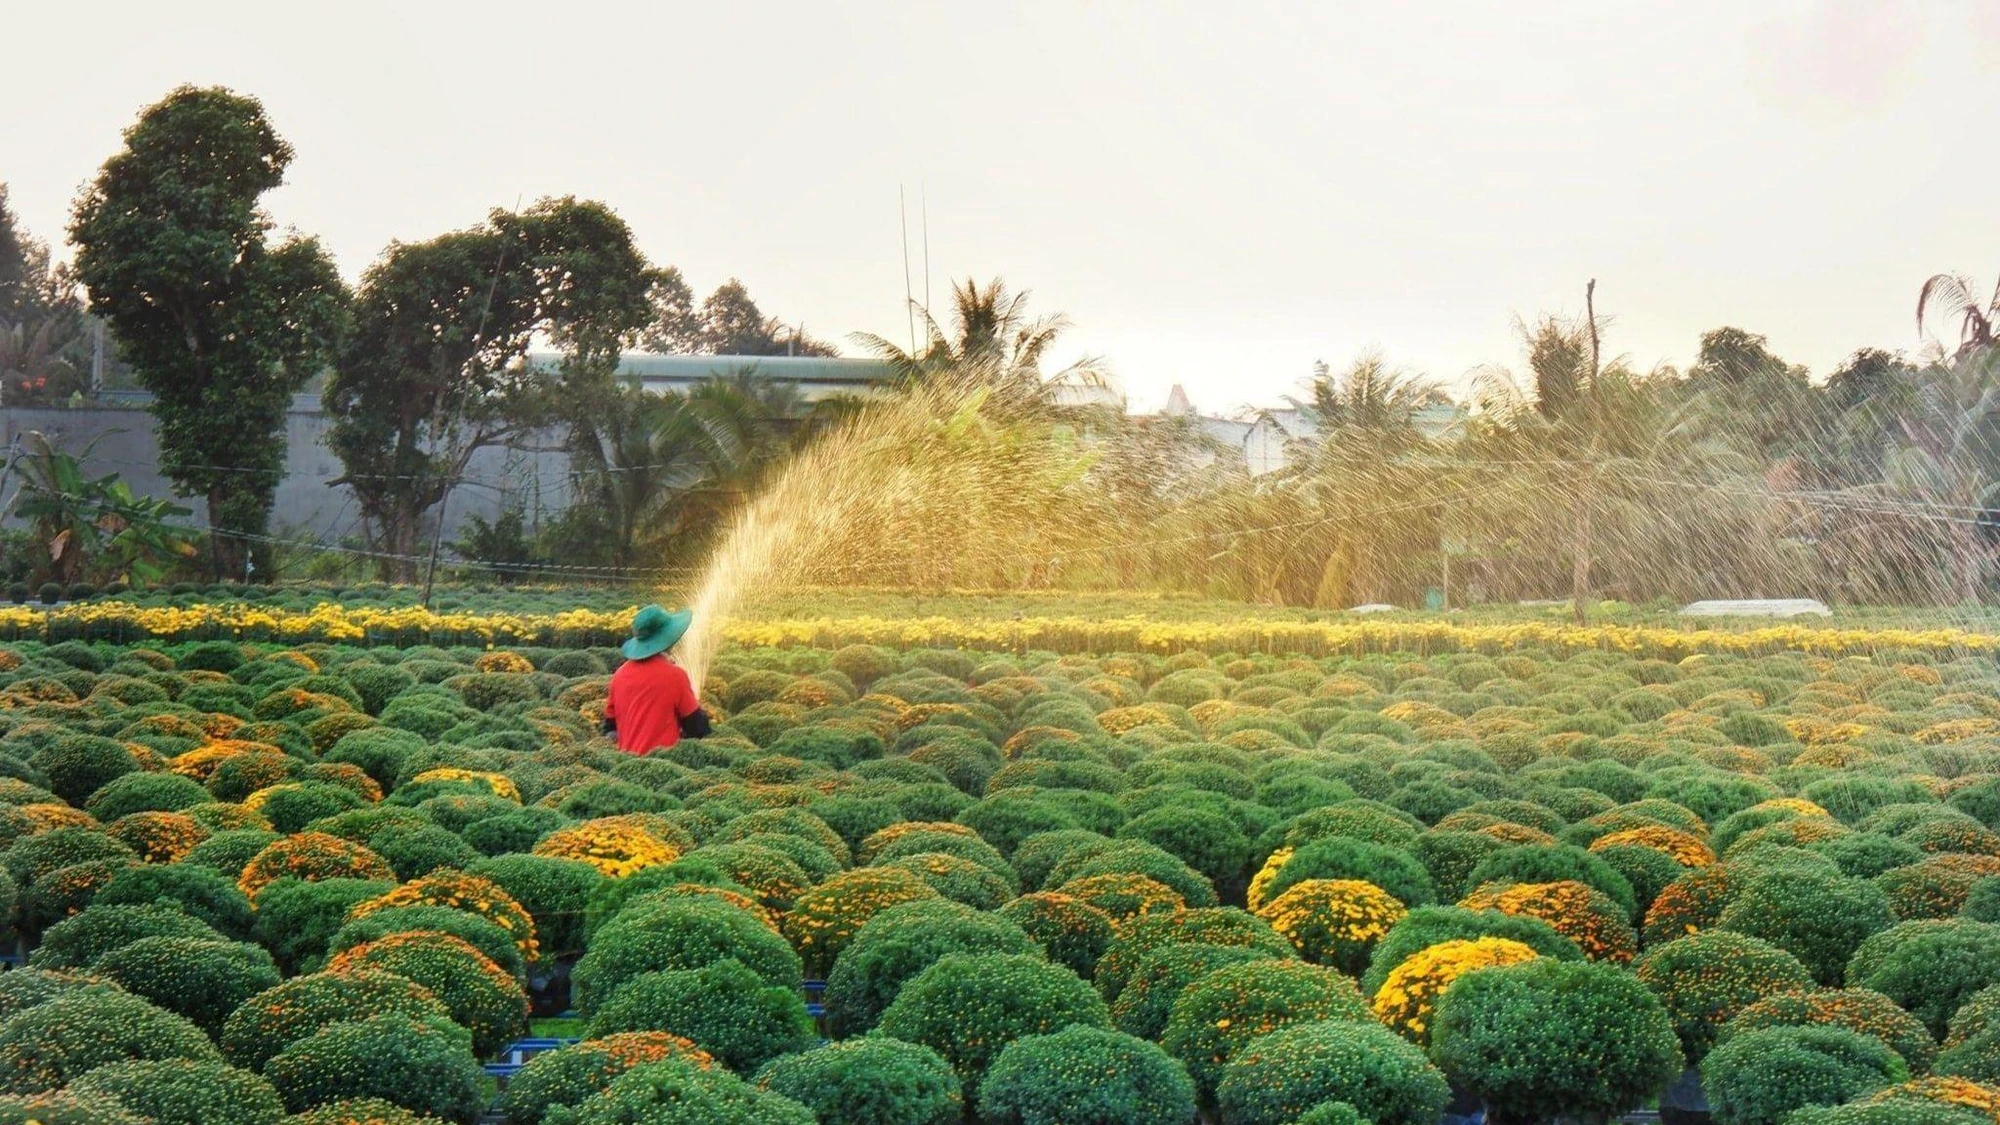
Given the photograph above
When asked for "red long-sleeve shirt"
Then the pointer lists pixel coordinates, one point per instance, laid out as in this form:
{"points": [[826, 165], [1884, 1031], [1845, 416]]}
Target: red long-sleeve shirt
{"points": [[647, 701]]}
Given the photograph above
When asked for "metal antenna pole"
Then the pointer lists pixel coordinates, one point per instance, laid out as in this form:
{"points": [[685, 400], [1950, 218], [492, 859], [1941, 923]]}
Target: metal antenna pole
{"points": [[924, 203], [909, 298]]}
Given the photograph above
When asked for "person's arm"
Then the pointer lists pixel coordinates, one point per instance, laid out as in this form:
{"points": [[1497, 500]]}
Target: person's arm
{"points": [[609, 726], [694, 720]]}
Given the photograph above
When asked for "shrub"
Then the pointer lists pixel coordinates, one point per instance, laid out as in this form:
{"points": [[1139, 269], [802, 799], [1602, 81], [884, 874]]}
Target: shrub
{"points": [[1070, 931], [517, 830], [414, 851], [1333, 921], [827, 917], [1160, 977], [1206, 841], [78, 765], [1707, 978], [198, 890], [229, 852], [724, 1008], [1409, 995], [1428, 925], [1085, 1076], [183, 1092], [967, 1007], [1554, 1038], [678, 1090], [1553, 863], [901, 942], [1819, 919], [1976, 1058], [665, 933], [1579, 912], [1214, 925], [1218, 1014], [1337, 857], [869, 1081], [553, 891], [418, 1064], [481, 997], [78, 942], [201, 980], [1760, 1077], [1929, 967], [1900, 1111], [1855, 1009], [615, 847], [52, 1044], [288, 1012], [144, 792], [1276, 1079], [296, 920], [311, 856], [570, 1075], [490, 940], [32, 857]]}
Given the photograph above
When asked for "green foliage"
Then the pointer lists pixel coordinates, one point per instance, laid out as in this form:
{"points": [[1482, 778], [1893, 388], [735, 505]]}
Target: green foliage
{"points": [[968, 1006], [418, 1064], [1160, 977], [1428, 925], [872, 1081], [202, 892], [1760, 1077], [80, 941], [1554, 863], [1706, 978], [221, 326], [184, 1092], [553, 891], [286, 1013], [1276, 1079], [895, 945], [481, 997], [50, 1045], [1548, 1038], [1929, 967], [677, 933], [1819, 919], [724, 1007], [296, 920], [1223, 1011], [679, 1091], [1338, 857], [1085, 1076], [1070, 931], [495, 943], [202, 980]]}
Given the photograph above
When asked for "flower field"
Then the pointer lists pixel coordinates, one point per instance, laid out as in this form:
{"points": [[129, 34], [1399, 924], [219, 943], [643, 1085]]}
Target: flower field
{"points": [[320, 864]]}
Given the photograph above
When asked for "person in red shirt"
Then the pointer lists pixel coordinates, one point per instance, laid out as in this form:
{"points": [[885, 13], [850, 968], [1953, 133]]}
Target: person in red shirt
{"points": [[652, 703]]}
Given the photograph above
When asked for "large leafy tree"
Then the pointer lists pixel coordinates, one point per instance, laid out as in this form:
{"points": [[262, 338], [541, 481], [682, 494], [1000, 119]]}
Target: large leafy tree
{"points": [[220, 322], [436, 366]]}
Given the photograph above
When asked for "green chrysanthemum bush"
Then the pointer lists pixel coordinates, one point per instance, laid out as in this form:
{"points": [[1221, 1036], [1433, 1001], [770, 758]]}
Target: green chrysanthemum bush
{"points": [[872, 1081], [901, 942], [296, 920], [1148, 997], [1278, 1078], [1819, 919], [1706, 979], [571, 1075], [1856, 1009], [285, 1013], [1760, 1077], [1429, 925], [202, 980], [481, 996], [1070, 931], [206, 894], [1549, 1038], [968, 1007], [1929, 967], [1214, 925], [48, 1046], [676, 1090], [826, 918], [1085, 1076], [724, 1008], [665, 933], [1225, 1010], [64, 1108], [421, 1065], [184, 1092]]}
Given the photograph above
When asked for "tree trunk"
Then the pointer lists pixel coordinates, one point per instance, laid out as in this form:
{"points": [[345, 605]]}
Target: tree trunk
{"points": [[226, 552]]}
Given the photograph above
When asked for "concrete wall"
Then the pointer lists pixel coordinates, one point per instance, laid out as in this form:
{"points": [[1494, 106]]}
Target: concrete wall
{"points": [[126, 444]]}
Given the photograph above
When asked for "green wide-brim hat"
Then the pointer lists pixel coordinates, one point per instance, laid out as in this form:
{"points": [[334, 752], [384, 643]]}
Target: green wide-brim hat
{"points": [[654, 631]]}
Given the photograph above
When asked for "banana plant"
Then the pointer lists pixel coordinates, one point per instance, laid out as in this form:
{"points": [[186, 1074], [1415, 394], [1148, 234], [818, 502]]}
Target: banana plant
{"points": [[85, 524]]}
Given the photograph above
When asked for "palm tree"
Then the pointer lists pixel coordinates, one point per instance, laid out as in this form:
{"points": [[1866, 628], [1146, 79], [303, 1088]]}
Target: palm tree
{"points": [[1370, 396], [995, 346], [1955, 296]]}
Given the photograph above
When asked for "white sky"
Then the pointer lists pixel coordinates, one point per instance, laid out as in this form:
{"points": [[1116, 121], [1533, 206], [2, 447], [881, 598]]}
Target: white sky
{"points": [[1216, 194]]}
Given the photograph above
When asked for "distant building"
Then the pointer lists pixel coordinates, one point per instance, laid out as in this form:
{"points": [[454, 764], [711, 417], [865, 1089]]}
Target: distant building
{"points": [[1262, 436]]}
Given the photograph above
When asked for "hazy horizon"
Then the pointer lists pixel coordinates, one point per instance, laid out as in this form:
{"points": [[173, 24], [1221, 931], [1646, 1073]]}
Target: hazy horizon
{"points": [[1216, 203]]}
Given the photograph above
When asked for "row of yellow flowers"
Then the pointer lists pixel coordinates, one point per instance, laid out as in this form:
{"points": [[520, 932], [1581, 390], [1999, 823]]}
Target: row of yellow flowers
{"points": [[331, 623]]}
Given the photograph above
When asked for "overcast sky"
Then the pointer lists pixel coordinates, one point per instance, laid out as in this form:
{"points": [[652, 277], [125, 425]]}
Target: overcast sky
{"points": [[1216, 194]]}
